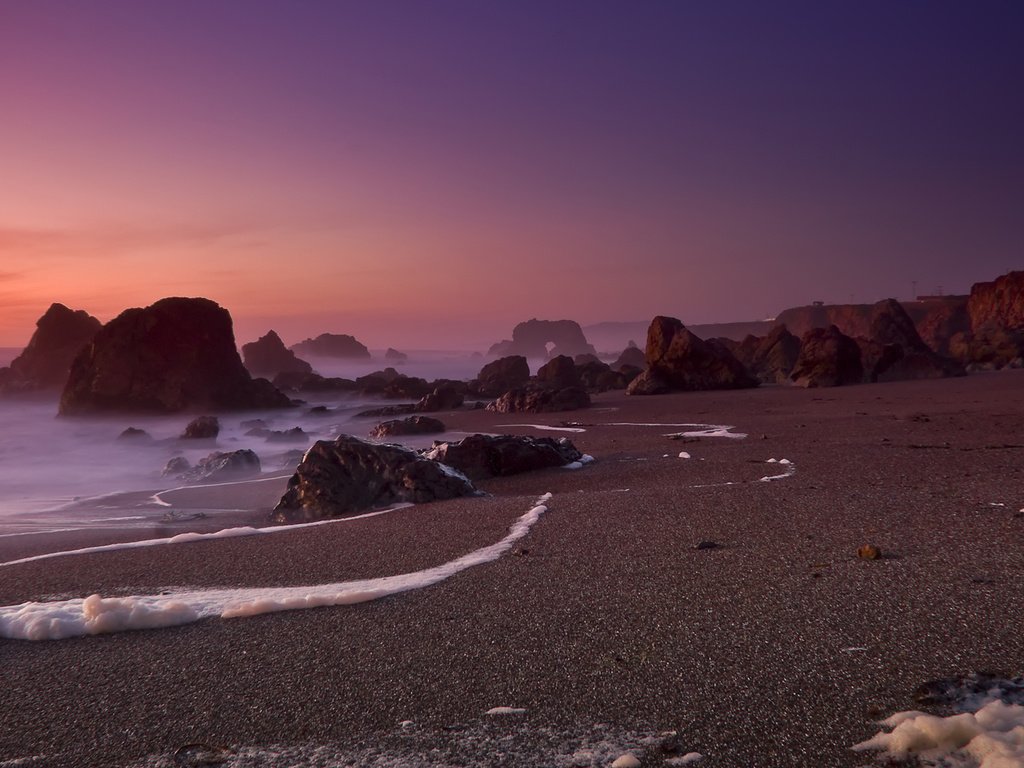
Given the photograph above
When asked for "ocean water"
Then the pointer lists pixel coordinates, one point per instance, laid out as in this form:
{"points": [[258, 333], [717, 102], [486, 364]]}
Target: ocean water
{"points": [[57, 473]]}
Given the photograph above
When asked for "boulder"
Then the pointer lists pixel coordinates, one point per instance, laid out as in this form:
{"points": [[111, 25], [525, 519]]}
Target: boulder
{"points": [[295, 381], [395, 356], [44, 364], [332, 345], [501, 375], [632, 356], [679, 360], [828, 358], [998, 305], [558, 373], [134, 433], [346, 476], [445, 397], [585, 359], [895, 351], [293, 435], [414, 425], [538, 399], [268, 356], [770, 358], [531, 339], [388, 410], [596, 376], [482, 456], [220, 467], [175, 355], [176, 467], [202, 428]]}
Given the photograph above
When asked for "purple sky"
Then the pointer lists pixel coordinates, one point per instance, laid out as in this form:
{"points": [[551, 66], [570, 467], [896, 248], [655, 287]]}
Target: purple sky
{"points": [[428, 174]]}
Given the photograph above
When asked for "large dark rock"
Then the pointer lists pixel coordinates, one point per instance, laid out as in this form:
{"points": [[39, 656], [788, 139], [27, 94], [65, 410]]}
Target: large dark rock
{"points": [[996, 335], [224, 466], [679, 360], [348, 475], [177, 354], [414, 425], [395, 356], [539, 399], [44, 364], [895, 351], [482, 456], [268, 356], [446, 396], [530, 339], [202, 428], [501, 375], [770, 358], [332, 345], [596, 376], [828, 358], [559, 372], [632, 356]]}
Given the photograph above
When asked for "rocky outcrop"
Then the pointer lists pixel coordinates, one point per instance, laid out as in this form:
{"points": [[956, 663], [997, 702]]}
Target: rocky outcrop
{"points": [[596, 376], [221, 467], [202, 428], [531, 339], [346, 476], [332, 345], [540, 399], [294, 381], [414, 425], [177, 354], [394, 356], [894, 351], [44, 364], [770, 358], [268, 356], [679, 360], [446, 396], [500, 376], [482, 456], [631, 356], [828, 358], [558, 373], [996, 335]]}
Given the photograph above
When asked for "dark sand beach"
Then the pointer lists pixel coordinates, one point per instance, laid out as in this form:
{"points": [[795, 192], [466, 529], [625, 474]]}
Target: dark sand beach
{"points": [[606, 624]]}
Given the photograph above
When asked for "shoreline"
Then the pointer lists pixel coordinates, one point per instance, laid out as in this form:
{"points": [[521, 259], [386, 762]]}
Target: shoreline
{"points": [[776, 647]]}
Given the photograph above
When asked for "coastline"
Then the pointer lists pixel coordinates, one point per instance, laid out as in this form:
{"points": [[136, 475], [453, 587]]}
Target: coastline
{"points": [[777, 647]]}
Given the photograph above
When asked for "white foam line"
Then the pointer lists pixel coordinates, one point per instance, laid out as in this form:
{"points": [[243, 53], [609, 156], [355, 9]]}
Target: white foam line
{"points": [[547, 427], [187, 538], [156, 496], [95, 615], [790, 470], [705, 430], [40, 532]]}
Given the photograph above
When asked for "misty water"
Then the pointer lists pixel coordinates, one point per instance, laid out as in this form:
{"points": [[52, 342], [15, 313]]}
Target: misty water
{"points": [[58, 473]]}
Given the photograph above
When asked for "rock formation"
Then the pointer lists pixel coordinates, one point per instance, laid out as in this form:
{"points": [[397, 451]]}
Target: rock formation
{"points": [[177, 354], [540, 399], [500, 376], [268, 356], [348, 475], [44, 364], [482, 456], [558, 373], [414, 425], [202, 428], [770, 358], [530, 339], [223, 466], [996, 335], [632, 356], [894, 351], [394, 356], [679, 360], [828, 358], [332, 345]]}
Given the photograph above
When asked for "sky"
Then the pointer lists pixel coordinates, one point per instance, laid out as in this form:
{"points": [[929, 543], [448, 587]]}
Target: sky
{"points": [[428, 174]]}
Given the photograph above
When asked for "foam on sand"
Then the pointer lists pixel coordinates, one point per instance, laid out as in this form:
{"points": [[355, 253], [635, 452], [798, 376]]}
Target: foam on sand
{"points": [[96, 615], [582, 461], [701, 430], [991, 737], [545, 427], [790, 470]]}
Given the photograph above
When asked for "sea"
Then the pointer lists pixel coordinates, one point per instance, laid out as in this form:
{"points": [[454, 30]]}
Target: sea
{"points": [[56, 473]]}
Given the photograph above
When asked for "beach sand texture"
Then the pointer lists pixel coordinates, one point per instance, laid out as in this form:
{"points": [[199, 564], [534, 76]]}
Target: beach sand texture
{"points": [[606, 624]]}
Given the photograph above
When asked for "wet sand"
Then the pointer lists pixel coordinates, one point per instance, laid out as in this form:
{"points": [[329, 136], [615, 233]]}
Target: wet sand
{"points": [[778, 647]]}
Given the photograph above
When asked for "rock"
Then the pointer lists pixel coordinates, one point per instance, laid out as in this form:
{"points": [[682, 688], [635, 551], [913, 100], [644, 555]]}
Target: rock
{"points": [[332, 345], [707, 545], [631, 356], [585, 359], [268, 356], [133, 433], [176, 467], [536, 399], [869, 552], [218, 467], [174, 355], [348, 475], [679, 360], [599, 377], [395, 356], [530, 339], [44, 364], [998, 305], [414, 425], [828, 358], [387, 410], [501, 375], [445, 397], [293, 435], [558, 373], [482, 456], [895, 351], [202, 428], [770, 358], [291, 458]]}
